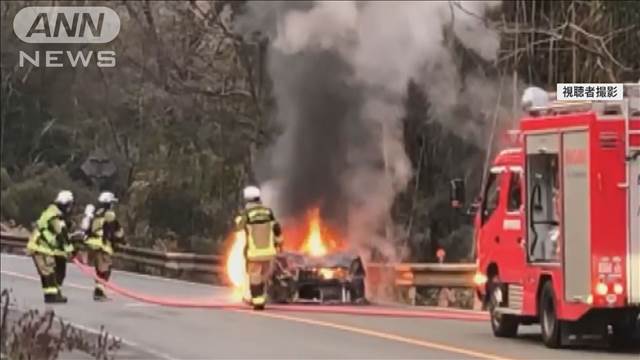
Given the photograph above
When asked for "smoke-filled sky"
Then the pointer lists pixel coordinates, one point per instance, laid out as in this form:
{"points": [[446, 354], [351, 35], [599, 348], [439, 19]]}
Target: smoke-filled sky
{"points": [[340, 71]]}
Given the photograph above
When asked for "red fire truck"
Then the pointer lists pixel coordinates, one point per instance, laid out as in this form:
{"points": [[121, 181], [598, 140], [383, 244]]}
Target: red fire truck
{"points": [[558, 222]]}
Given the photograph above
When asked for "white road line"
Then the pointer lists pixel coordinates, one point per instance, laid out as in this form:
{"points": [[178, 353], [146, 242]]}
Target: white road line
{"points": [[33, 278], [132, 274], [72, 285], [138, 304]]}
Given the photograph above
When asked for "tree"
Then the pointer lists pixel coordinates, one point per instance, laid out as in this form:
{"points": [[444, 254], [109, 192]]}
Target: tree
{"points": [[437, 155], [571, 41], [186, 97]]}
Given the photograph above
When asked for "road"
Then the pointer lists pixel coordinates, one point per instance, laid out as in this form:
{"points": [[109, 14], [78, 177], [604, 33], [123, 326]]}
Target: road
{"points": [[152, 331]]}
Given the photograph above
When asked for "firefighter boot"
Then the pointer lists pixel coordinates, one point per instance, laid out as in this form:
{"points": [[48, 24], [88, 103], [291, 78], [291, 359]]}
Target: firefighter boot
{"points": [[258, 302], [61, 298], [258, 296], [98, 292], [56, 298], [99, 295], [52, 294]]}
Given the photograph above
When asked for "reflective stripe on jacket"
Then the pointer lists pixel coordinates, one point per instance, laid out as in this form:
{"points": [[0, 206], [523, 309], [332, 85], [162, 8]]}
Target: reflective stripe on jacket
{"points": [[44, 239], [104, 230], [257, 221]]}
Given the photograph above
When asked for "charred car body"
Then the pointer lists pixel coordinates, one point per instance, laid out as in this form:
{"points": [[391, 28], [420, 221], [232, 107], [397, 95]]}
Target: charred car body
{"points": [[334, 278]]}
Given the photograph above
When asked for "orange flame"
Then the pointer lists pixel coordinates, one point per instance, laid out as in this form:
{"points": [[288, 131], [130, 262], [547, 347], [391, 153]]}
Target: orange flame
{"points": [[310, 236], [314, 244], [235, 265]]}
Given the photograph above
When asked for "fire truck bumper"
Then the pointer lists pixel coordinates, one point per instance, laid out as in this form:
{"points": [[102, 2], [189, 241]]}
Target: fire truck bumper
{"points": [[627, 316]]}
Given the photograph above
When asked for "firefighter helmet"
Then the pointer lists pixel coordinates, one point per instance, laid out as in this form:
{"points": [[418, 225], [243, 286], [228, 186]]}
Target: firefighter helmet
{"points": [[64, 197], [107, 197], [251, 193]]}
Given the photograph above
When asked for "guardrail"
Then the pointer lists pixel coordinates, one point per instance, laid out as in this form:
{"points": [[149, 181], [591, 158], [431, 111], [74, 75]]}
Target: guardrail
{"points": [[401, 282], [405, 276], [145, 260]]}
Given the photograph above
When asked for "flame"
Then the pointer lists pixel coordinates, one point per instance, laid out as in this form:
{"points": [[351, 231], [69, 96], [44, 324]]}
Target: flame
{"points": [[314, 244], [235, 266], [309, 236], [319, 239], [326, 273]]}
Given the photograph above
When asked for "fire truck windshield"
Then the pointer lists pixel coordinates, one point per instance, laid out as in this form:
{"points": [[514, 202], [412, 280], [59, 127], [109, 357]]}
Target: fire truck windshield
{"points": [[491, 197]]}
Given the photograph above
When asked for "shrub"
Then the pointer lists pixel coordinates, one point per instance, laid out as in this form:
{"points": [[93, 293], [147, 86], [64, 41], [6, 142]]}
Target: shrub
{"points": [[41, 336], [5, 179], [178, 210], [24, 201]]}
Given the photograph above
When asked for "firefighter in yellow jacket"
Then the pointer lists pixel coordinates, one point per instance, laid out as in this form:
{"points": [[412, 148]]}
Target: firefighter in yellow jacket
{"points": [[263, 243], [103, 233], [50, 240]]}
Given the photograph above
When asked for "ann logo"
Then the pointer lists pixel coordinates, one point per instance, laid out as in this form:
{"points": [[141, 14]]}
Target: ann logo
{"points": [[76, 27], [66, 24]]}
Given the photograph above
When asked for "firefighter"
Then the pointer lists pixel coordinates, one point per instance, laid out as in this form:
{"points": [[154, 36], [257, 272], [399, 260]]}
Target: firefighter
{"points": [[65, 252], [50, 240], [263, 243], [104, 232]]}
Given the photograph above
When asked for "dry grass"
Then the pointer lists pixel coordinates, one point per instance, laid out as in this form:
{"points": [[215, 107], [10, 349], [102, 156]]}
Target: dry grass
{"points": [[35, 335]]}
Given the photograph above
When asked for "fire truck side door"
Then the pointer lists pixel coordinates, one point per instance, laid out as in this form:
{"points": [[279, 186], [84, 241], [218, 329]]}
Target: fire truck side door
{"points": [[490, 236], [512, 228], [576, 216], [542, 160]]}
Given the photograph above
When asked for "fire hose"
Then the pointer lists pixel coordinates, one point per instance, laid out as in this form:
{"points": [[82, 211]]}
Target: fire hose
{"points": [[163, 301], [344, 310]]}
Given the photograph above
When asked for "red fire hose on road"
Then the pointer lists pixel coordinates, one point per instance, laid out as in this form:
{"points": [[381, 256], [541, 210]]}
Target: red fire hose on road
{"points": [[153, 299], [345, 310]]}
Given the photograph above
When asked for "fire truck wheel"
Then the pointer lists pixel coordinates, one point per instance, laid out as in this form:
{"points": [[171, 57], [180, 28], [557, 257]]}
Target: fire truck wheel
{"points": [[503, 325], [548, 317]]}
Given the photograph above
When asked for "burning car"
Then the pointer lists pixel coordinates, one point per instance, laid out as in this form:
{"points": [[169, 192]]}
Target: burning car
{"points": [[333, 278], [315, 265]]}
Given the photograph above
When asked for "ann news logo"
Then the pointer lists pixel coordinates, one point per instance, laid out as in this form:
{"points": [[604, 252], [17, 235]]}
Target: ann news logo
{"points": [[67, 25]]}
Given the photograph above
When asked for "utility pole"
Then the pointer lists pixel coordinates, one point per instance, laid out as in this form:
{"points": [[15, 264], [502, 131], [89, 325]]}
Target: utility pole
{"points": [[385, 158]]}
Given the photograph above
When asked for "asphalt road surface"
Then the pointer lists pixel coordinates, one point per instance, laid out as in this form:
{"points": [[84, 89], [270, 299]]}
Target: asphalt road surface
{"points": [[156, 332]]}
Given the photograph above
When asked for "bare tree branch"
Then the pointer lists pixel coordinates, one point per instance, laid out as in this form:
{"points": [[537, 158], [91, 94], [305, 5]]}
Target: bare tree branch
{"points": [[600, 51], [602, 44]]}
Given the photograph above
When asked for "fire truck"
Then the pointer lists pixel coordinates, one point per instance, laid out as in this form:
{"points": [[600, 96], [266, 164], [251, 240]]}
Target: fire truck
{"points": [[557, 225]]}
